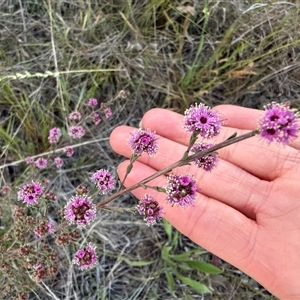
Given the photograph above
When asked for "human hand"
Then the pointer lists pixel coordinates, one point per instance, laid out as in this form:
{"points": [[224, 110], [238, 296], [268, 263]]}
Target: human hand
{"points": [[248, 209]]}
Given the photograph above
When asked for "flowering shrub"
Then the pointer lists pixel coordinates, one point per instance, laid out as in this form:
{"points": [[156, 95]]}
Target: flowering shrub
{"points": [[279, 124]]}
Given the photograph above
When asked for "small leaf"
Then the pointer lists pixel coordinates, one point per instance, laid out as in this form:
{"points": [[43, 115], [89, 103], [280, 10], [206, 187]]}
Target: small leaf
{"points": [[180, 257], [185, 155], [197, 286], [168, 229], [143, 186], [159, 189], [204, 267], [170, 281], [165, 252], [129, 168], [134, 263], [232, 136]]}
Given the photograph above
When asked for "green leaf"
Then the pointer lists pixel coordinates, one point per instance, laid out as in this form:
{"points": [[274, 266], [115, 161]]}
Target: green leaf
{"points": [[197, 286], [180, 257], [175, 240], [232, 136], [204, 267], [134, 263], [129, 168], [165, 252], [168, 229], [170, 280]]}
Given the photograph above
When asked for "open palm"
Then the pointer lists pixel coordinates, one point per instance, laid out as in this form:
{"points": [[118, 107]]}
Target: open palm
{"points": [[248, 208]]}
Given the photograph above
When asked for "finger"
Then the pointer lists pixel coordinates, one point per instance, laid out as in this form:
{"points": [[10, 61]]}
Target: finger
{"points": [[246, 118], [211, 224], [236, 187], [249, 154], [240, 117]]}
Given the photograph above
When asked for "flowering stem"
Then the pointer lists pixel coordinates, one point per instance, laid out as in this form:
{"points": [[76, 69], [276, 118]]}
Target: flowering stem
{"points": [[180, 163], [193, 139], [156, 188], [128, 169], [231, 140]]}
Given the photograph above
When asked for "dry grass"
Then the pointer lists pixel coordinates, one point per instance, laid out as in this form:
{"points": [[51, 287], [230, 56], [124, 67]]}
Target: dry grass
{"points": [[54, 55]]}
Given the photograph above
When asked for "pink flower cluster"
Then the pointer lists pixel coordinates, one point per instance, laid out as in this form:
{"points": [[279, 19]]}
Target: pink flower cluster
{"points": [[69, 151], [96, 118], [76, 132], [104, 181], [29, 160], [43, 228], [80, 210], [92, 102], [30, 193], [5, 189], [279, 124], [201, 119], [150, 208], [41, 163], [108, 113], [75, 115], [143, 141], [58, 162], [54, 135], [207, 162], [181, 189], [86, 258]]}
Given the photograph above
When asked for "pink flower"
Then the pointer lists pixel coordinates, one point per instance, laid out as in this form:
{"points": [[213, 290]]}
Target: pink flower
{"points": [[143, 141], [54, 135], [29, 160], [181, 189], [202, 120], [5, 189], [207, 162], [76, 132], [150, 208], [41, 163], [30, 193], [86, 258], [280, 123], [50, 196], [108, 113], [104, 180], [69, 151], [43, 228], [75, 115], [96, 118], [92, 102], [80, 210], [59, 162]]}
